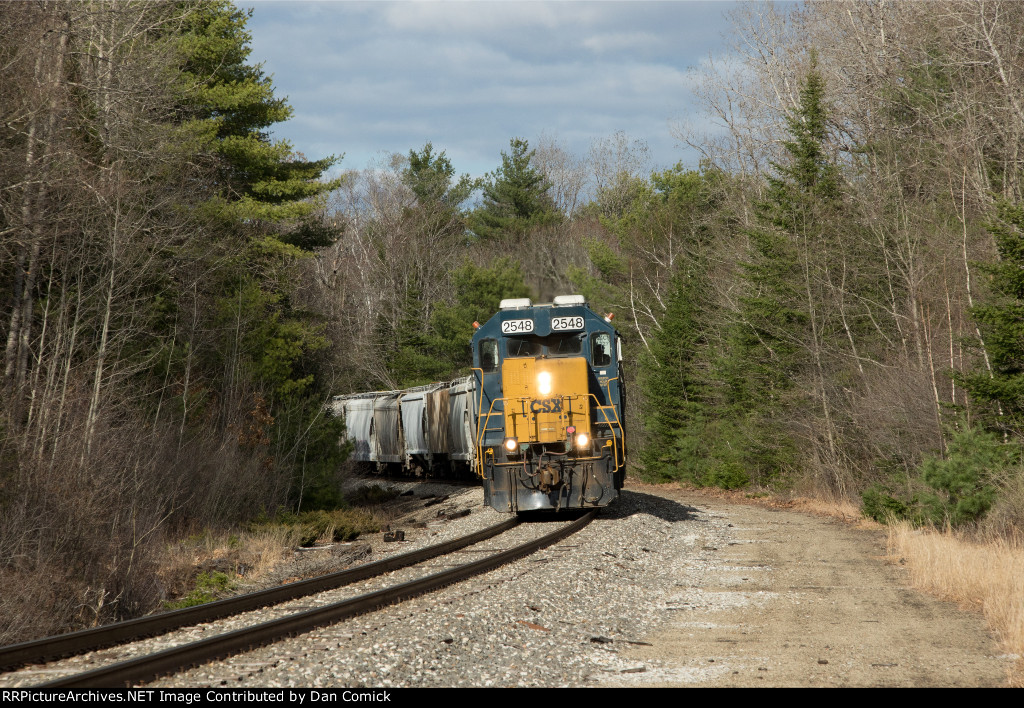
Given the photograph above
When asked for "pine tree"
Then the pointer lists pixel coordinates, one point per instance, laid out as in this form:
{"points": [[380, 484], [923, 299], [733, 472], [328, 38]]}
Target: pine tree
{"points": [[674, 216], [781, 332], [672, 385], [515, 197], [479, 291], [259, 210], [1001, 321], [437, 216], [430, 176], [226, 106]]}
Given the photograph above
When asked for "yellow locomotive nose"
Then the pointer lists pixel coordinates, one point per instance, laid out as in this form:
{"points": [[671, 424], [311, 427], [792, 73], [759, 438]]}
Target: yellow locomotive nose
{"points": [[545, 397]]}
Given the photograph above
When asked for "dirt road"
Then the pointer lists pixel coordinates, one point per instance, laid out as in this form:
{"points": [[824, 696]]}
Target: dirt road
{"points": [[792, 599]]}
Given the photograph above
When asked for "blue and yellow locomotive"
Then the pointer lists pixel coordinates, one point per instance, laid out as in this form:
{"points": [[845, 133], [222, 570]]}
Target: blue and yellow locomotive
{"points": [[550, 406], [540, 420]]}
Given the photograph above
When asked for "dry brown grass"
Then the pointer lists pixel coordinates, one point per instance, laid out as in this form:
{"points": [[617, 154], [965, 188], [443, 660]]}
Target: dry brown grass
{"points": [[842, 509], [252, 555], [988, 576]]}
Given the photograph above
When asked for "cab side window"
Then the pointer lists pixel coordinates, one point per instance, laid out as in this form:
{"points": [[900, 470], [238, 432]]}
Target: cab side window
{"points": [[601, 349], [489, 355]]}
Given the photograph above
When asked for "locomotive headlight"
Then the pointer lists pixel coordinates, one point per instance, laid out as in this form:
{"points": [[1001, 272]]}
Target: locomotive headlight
{"points": [[544, 383], [511, 444], [582, 440]]}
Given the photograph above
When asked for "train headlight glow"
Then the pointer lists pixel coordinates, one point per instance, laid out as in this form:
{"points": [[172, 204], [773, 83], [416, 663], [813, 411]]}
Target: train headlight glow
{"points": [[511, 444], [582, 440], [544, 383]]}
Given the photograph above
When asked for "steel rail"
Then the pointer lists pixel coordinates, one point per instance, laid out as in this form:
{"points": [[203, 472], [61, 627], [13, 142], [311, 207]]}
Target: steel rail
{"points": [[49, 648], [168, 661]]}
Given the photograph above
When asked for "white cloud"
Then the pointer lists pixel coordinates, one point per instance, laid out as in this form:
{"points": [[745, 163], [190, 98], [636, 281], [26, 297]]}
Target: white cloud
{"points": [[472, 18], [370, 77], [617, 41]]}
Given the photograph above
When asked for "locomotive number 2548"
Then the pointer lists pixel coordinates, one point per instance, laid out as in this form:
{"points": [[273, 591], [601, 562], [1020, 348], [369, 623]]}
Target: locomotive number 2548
{"points": [[561, 324], [516, 326]]}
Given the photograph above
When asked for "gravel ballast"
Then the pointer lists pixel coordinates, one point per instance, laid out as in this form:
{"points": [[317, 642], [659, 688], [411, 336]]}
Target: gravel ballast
{"points": [[557, 618]]}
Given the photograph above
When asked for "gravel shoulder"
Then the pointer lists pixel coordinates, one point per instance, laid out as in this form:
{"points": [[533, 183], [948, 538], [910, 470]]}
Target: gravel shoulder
{"points": [[791, 599]]}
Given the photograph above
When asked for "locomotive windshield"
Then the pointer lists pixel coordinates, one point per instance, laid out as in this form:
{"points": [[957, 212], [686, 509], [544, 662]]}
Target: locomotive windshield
{"points": [[552, 345]]}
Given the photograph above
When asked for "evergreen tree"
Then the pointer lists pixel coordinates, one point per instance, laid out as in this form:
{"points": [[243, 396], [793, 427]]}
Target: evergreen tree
{"points": [[809, 173], [687, 436], [964, 480], [227, 105], [515, 197], [780, 334], [1002, 324], [260, 209], [419, 355], [672, 386], [429, 175], [437, 215]]}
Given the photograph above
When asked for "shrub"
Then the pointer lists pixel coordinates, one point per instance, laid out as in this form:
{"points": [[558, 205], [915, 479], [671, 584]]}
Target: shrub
{"points": [[880, 505], [979, 472], [727, 475], [209, 587], [964, 481]]}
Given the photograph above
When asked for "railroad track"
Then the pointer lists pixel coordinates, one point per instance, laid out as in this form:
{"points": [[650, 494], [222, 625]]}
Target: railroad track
{"points": [[153, 665]]}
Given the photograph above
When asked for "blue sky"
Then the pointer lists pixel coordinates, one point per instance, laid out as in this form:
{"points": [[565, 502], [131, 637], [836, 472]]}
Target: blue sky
{"points": [[370, 78]]}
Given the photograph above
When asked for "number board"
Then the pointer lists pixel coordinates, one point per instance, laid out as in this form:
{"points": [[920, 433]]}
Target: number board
{"points": [[563, 324], [517, 326]]}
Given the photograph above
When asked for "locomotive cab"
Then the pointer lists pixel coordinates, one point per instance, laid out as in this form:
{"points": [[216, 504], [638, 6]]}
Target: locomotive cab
{"points": [[550, 406]]}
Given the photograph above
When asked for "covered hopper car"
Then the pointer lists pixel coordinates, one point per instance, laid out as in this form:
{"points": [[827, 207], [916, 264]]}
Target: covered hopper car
{"points": [[539, 420]]}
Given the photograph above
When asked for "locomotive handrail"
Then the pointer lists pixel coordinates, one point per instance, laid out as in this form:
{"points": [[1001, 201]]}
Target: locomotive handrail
{"points": [[618, 423], [608, 386], [478, 463], [480, 404]]}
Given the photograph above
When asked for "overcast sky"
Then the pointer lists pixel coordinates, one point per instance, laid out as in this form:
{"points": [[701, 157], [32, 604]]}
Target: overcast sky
{"points": [[371, 78]]}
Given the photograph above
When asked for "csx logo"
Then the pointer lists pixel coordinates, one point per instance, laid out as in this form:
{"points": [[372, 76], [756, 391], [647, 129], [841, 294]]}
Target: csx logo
{"points": [[546, 405]]}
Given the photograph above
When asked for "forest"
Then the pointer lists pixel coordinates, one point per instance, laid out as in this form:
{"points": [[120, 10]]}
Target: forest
{"points": [[831, 303]]}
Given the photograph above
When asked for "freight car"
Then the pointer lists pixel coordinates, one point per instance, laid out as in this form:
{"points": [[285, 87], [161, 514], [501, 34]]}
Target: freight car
{"points": [[423, 429], [540, 420]]}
